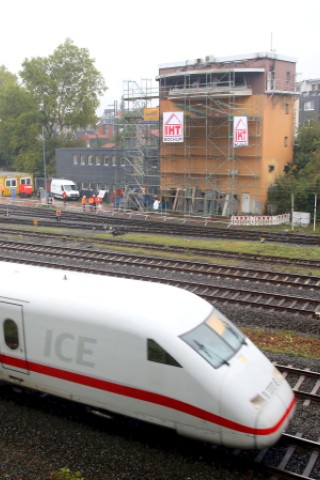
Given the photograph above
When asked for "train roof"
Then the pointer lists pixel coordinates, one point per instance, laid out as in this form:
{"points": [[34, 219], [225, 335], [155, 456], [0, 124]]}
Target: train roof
{"points": [[13, 174], [121, 303]]}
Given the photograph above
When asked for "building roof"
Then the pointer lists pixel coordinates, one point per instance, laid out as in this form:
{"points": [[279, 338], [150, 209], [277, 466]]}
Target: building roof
{"points": [[231, 59]]}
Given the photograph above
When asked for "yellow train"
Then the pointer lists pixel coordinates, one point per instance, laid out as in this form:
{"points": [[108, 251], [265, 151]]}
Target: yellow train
{"points": [[13, 184]]}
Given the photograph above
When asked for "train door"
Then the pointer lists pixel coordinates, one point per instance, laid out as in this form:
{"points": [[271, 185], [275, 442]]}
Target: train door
{"points": [[11, 187], [12, 344], [25, 186]]}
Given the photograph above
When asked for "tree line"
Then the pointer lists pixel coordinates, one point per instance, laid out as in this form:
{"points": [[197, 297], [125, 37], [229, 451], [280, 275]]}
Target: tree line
{"points": [[302, 179], [49, 100]]}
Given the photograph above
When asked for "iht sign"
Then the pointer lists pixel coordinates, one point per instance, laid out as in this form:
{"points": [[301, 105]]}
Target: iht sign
{"points": [[173, 127]]}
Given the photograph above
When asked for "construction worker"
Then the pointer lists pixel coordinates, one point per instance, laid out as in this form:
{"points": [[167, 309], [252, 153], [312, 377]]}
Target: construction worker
{"points": [[95, 201], [84, 202]]}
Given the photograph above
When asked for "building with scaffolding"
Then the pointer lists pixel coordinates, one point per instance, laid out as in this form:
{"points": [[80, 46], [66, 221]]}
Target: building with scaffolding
{"points": [[126, 169], [140, 139], [208, 138], [226, 132]]}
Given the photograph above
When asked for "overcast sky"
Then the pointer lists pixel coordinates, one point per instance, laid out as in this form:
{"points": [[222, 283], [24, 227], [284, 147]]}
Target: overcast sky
{"points": [[129, 39]]}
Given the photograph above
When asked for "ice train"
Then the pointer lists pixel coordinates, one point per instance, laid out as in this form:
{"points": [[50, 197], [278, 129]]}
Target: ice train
{"points": [[145, 350]]}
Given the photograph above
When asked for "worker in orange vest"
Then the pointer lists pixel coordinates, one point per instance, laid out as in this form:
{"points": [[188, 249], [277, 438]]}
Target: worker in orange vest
{"points": [[84, 202], [95, 201]]}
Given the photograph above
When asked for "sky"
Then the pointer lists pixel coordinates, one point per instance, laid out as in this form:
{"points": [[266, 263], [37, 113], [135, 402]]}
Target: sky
{"points": [[130, 39]]}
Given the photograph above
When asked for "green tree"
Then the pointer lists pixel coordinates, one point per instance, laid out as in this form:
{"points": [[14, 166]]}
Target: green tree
{"points": [[66, 88], [303, 178], [18, 129], [308, 139], [46, 104]]}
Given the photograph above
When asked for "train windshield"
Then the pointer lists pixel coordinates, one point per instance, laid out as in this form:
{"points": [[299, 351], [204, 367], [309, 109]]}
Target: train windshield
{"points": [[216, 340]]}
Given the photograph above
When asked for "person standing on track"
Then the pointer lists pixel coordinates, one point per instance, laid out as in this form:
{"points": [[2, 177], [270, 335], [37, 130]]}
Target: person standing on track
{"points": [[94, 198], [84, 203]]}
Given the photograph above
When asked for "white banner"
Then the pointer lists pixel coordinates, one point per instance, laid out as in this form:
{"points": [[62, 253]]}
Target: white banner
{"points": [[173, 127], [240, 131]]}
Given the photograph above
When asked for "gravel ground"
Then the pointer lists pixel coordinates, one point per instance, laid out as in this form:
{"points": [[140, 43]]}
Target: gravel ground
{"points": [[41, 435]]}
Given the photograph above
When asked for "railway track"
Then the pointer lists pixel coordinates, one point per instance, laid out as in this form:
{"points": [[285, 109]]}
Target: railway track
{"points": [[148, 269], [152, 247], [203, 270], [295, 457], [305, 383], [72, 217]]}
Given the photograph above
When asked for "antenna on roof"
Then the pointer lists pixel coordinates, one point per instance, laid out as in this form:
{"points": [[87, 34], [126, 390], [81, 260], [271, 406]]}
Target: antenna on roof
{"points": [[271, 44]]}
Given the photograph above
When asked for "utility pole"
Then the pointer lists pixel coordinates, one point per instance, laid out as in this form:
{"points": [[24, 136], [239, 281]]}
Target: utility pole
{"points": [[44, 163], [292, 210], [315, 212]]}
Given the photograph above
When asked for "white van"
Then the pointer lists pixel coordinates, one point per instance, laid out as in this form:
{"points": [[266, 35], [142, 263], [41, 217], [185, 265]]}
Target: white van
{"points": [[61, 188]]}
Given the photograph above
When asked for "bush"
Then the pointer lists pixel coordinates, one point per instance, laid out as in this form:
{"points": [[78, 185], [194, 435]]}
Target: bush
{"points": [[66, 474]]}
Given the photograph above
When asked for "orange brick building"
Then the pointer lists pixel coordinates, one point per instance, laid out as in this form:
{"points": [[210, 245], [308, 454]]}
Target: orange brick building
{"points": [[226, 131]]}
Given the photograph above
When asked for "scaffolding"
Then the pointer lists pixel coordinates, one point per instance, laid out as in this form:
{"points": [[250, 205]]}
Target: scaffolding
{"points": [[206, 173], [141, 144], [202, 174]]}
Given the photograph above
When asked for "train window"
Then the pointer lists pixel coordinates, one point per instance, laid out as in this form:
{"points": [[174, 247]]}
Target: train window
{"points": [[159, 355], [12, 182], [11, 334], [216, 340], [226, 330], [26, 181]]}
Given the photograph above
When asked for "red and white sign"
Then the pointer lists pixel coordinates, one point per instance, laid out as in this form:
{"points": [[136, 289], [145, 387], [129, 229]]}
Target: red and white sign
{"points": [[240, 131], [173, 127]]}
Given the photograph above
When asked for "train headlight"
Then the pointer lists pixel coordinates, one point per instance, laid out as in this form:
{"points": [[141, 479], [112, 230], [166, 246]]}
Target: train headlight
{"points": [[277, 376], [258, 401]]}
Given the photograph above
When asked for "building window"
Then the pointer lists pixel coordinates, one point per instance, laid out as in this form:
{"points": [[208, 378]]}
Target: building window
{"points": [[90, 161], [286, 108], [285, 141], [97, 159], [106, 161], [114, 161], [308, 105], [82, 160], [75, 159], [123, 162], [270, 80]]}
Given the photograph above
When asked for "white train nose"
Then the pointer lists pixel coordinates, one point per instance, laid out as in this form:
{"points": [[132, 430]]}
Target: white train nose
{"points": [[274, 417]]}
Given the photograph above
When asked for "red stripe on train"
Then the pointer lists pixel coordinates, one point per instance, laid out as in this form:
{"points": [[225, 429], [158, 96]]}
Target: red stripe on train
{"points": [[142, 395]]}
